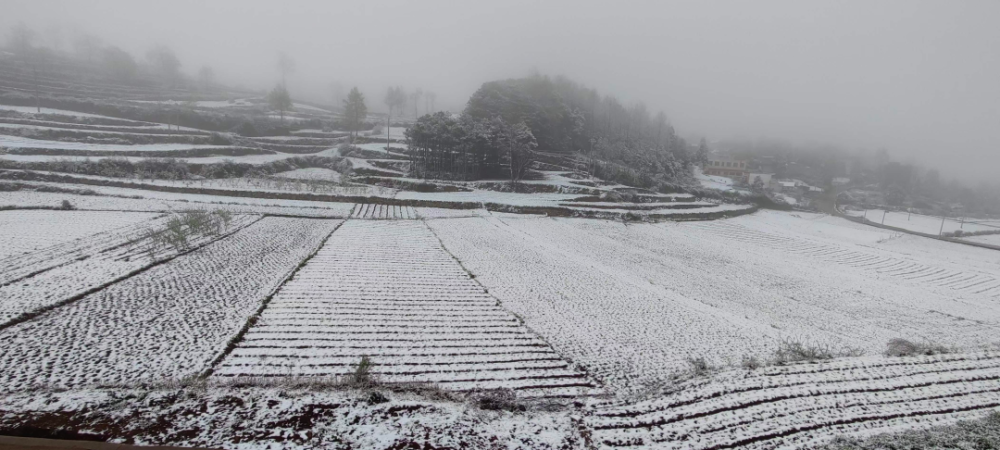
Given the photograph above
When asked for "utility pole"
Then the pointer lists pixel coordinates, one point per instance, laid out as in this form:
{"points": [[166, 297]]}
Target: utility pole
{"points": [[883, 216], [941, 231]]}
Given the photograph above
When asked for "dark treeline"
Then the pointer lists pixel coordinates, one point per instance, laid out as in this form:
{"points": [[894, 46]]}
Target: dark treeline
{"points": [[561, 116], [903, 184]]}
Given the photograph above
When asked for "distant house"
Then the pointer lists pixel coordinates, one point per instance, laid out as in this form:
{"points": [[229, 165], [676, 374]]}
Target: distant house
{"points": [[787, 186], [729, 168]]}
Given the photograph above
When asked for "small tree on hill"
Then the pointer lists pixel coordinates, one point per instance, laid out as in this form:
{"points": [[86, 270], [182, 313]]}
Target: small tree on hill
{"points": [[280, 100], [355, 111], [702, 154], [165, 61]]}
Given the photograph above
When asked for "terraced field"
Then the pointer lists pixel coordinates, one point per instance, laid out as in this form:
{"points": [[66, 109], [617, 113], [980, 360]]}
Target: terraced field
{"points": [[804, 405], [33, 282], [644, 298], [389, 291], [969, 282], [26, 231], [378, 211], [167, 322]]}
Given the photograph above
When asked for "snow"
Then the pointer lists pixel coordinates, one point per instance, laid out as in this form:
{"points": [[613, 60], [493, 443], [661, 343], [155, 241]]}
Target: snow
{"points": [[310, 108], [38, 280], [297, 418], [387, 290], [801, 406], [126, 333], [716, 182], [22, 142], [925, 224], [990, 239], [33, 110], [26, 231], [312, 174], [633, 301], [115, 199]]}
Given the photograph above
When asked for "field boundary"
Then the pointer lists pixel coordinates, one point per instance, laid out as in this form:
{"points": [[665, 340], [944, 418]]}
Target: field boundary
{"points": [[252, 320], [40, 311], [863, 221]]}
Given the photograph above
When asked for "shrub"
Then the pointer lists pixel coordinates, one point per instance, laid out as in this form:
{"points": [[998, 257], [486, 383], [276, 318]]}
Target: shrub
{"points": [[362, 373], [903, 347], [751, 363], [498, 400], [67, 205], [699, 365], [375, 398], [792, 351]]}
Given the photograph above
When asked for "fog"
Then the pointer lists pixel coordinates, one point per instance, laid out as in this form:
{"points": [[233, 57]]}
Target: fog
{"points": [[917, 78]]}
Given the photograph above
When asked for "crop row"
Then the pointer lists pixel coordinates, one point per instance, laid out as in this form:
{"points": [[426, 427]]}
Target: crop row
{"points": [[389, 292], [759, 410], [965, 282], [380, 211], [168, 322], [26, 232], [59, 274]]}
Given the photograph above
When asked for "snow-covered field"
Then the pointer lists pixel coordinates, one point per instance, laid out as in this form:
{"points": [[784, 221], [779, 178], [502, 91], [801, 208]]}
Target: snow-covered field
{"points": [[925, 224], [27, 231], [802, 406], [387, 290], [35, 281], [634, 301], [471, 299], [23, 142], [167, 322]]}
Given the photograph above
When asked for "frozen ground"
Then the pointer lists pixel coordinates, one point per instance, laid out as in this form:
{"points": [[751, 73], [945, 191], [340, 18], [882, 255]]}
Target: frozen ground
{"points": [[716, 182], [926, 224], [387, 290], [645, 297], [22, 142], [168, 322], [26, 231]]}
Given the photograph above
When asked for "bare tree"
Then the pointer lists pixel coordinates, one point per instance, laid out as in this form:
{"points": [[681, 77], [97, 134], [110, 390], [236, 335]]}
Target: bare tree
{"points": [[21, 38], [165, 61], [431, 96], [286, 65], [87, 46], [206, 78], [415, 98]]}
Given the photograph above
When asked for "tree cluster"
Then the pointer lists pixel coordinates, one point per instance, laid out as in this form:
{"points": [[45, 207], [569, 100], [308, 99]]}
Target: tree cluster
{"points": [[442, 146], [567, 117]]}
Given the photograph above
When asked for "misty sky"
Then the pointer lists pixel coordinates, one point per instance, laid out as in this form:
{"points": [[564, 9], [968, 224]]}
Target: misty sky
{"points": [[921, 79]]}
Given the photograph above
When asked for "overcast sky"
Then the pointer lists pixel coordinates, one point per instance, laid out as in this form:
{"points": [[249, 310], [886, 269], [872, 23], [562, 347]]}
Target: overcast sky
{"points": [[918, 78]]}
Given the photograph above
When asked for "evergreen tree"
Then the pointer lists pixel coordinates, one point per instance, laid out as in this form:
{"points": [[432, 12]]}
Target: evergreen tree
{"points": [[280, 100], [355, 112]]}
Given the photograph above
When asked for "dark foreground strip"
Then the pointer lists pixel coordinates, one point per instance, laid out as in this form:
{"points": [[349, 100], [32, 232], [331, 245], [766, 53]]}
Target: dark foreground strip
{"points": [[25, 443]]}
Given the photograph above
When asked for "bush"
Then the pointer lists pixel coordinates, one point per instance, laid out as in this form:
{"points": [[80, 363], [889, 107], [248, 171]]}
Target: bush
{"points": [[903, 347], [751, 363], [362, 373], [699, 366], [792, 351], [67, 205], [376, 398], [498, 400]]}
